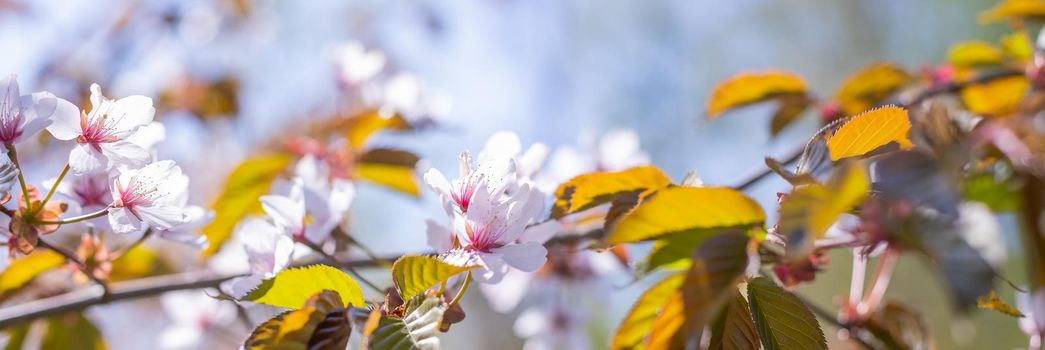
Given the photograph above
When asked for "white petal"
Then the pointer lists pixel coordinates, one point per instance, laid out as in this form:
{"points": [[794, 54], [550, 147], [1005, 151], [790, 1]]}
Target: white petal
{"points": [[240, 286], [501, 144], [164, 217], [437, 182], [65, 123], [493, 269], [10, 96], [84, 159], [131, 113], [97, 99], [125, 154], [122, 221], [439, 238], [148, 136], [39, 110], [526, 257], [506, 295], [540, 233], [285, 212], [192, 239]]}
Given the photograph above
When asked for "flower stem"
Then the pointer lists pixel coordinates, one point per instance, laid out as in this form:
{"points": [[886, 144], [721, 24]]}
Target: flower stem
{"points": [[71, 257], [76, 219], [883, 274], [55, 185], [460, 292], [13, 154]]}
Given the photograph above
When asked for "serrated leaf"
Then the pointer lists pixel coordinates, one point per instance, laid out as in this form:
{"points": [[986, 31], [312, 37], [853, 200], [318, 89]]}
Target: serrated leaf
{"points": [[790, 108], [869, 86], [1013, 9], [72, 331], [679, 209], [991, 301], [639, 321], [321, 323], [399, 178], [292, 287], [590, 190], [245, 185], [996, 98], [718, 265], [413, 275], [974, 53], [809, 211], [747, 88], [733, 329], [869, 131], [783, 321], [417, 330], [900, 327], [24, 270]]}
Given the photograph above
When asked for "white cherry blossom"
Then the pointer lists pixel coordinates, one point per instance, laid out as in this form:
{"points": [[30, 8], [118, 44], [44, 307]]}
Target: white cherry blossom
{"points": [[23, 116], [153, 196], [188, 232], [310, 212], [102, 135], [357, 64], [496, 174]]}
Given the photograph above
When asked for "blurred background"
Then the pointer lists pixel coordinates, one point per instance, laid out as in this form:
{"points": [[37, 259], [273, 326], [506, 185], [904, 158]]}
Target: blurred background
{"points": [[558, 72]]}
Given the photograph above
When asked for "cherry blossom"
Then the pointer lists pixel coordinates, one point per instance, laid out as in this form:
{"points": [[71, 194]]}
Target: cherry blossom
{"points": [[23, 116], [188, 232], [357, 64], [495, 174], [195, 318], [102, 135], [154, 196], [310, 213], [269, 251]]}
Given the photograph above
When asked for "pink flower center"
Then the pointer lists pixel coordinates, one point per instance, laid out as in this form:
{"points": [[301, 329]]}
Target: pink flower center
{"points": [[484, 236], [95, 132], [10, 127], [91, 191]]}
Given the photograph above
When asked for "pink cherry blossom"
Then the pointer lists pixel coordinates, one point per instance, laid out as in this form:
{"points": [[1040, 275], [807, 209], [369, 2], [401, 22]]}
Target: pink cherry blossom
{"points": [[102, 136]]}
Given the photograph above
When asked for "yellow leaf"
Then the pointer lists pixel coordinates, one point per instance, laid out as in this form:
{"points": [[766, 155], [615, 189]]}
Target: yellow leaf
{"points": [[1013, 9], [996, 98], [591, 190], [23, 270], [361, 127], [809, 211], [413, 275], [1017, 46], [398, 178], [136, 263], [678, 209], [993, 302], [747, 88], [869, 86], [293, 330], [245, 185], [639, 321], [791, 107], [72, 331], [666, 325], [974, 53], [292, 287], [870, 130]]}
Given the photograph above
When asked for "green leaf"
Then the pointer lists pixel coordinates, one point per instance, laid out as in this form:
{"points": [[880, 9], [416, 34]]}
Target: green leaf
{"points": [[74, 332], [417, 330], [245, 185], [413, 275], [784, 322], [678, 209], [640, 319], [675, 250], [733, 329], [718, 266], [292, 287], [1002, 196], [321, 323], [590, 190], [16, 336], [24, 270]]}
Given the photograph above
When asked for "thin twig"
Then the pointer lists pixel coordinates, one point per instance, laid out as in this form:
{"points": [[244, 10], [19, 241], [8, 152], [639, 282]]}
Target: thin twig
{"points": [[75, 219], [71, 257]]}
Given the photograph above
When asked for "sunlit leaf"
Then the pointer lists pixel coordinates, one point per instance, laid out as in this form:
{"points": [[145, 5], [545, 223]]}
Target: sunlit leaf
{"points": [[1013, 9], [678, 209], [809, 211], [1017, 46], [402, 179], [136, 263], [359, 128], [72, 331], [292, 287], [870, 86], [733, 329], [664, 331], [974, 53], [748, 88], [639, 321], [999, 97], [320, 323], [993, 302], [413, 275], [245, 185], [870, 130], [590, 190], [417, 330], [900, 327], [783, 321], [791, 107], [24, 270], [674, 251], [1000, 195]]}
